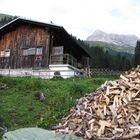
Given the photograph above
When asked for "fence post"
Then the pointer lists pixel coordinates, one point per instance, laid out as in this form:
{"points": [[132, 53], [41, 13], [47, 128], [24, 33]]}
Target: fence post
{"points": [[9, 71]]}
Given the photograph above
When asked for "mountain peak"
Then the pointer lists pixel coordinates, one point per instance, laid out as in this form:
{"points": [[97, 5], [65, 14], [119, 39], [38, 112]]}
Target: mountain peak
{"points": [[117, 39], [99, 32]]}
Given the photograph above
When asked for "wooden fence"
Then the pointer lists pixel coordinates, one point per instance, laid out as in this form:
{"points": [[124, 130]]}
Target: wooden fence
{"points": [[43, 73], [104, 72]]}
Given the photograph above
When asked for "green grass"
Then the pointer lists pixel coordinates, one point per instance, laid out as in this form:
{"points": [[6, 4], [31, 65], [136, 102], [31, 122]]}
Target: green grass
{"points": [[19, 108]]}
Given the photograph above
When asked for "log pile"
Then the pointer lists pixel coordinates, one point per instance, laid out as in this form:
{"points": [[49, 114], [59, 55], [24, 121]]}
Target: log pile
{"points": [[112, 112]]}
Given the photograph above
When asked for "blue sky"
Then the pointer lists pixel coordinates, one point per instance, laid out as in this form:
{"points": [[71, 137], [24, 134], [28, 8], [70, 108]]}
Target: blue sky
{"points": [[80, 17]]}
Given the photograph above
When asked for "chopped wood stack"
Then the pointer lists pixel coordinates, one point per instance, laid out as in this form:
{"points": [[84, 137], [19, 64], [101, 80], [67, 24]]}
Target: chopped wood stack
{"points": [[112, 112]]}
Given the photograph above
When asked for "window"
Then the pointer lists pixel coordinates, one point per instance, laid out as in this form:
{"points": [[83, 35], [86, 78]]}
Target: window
{"points": [[2, 53], [57, 50], [31, 51], [5, 53], [25, 52], [39, 51]]}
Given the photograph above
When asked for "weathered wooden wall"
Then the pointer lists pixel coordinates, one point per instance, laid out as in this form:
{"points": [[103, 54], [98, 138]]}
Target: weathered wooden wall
{"points": [[24, 37]]}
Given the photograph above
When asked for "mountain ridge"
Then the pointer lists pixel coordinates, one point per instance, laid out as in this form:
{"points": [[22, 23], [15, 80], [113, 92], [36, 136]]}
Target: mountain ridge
{"points": [[112, 38]]}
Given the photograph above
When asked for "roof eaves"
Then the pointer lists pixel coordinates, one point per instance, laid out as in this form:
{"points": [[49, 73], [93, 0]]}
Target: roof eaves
{"points": [[40, 22], [29, 20]]}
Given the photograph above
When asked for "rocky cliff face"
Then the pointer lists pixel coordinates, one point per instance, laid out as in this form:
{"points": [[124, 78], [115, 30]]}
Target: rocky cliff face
{"points": [[121, 40]]}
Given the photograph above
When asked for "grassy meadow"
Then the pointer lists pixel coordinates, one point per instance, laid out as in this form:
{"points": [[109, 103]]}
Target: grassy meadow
{"points": [[20, 108]]}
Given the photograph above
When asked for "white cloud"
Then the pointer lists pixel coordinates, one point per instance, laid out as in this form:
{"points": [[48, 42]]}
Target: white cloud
{"points": [[80, 17]]}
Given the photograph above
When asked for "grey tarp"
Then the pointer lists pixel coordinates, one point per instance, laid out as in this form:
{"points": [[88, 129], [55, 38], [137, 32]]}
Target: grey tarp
{"points": [[37, 134]]}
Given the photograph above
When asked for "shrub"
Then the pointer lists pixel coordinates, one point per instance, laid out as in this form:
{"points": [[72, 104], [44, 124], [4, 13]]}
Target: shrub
{"points": [[57, 76], [57, 73], [78, 88]]}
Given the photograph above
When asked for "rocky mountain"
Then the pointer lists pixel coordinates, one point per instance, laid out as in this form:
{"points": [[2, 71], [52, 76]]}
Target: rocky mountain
{"points": [[120, 40]]}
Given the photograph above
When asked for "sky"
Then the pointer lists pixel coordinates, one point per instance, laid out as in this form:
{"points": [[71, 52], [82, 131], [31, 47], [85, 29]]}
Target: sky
{"points": [[80, 17]]}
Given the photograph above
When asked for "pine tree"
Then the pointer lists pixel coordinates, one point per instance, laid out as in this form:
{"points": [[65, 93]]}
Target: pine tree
{"points": [[137, 54]]}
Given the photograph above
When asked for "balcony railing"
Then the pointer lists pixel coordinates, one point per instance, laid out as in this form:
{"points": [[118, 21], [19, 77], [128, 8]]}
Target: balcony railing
{"points": [[63, 59]]}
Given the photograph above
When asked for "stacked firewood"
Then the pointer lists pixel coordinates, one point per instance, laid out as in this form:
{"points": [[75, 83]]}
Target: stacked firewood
{"points": [[112, 112]]}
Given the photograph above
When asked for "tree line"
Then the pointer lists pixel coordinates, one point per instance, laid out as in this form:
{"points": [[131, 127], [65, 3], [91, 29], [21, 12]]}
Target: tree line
{"points": [[101, 58], [137, 54], [6, 19]]}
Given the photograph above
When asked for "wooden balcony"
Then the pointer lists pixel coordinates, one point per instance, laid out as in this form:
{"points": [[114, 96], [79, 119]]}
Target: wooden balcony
{"points": [[63, 59]]}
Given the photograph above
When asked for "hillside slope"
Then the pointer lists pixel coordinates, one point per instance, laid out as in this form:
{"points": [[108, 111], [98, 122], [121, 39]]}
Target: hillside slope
{"points": [[4, 15], [5, 19], [112, 47]]}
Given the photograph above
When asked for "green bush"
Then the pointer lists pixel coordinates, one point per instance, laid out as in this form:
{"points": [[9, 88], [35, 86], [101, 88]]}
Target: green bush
{"points": [[57, 76], [57, 73]]}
